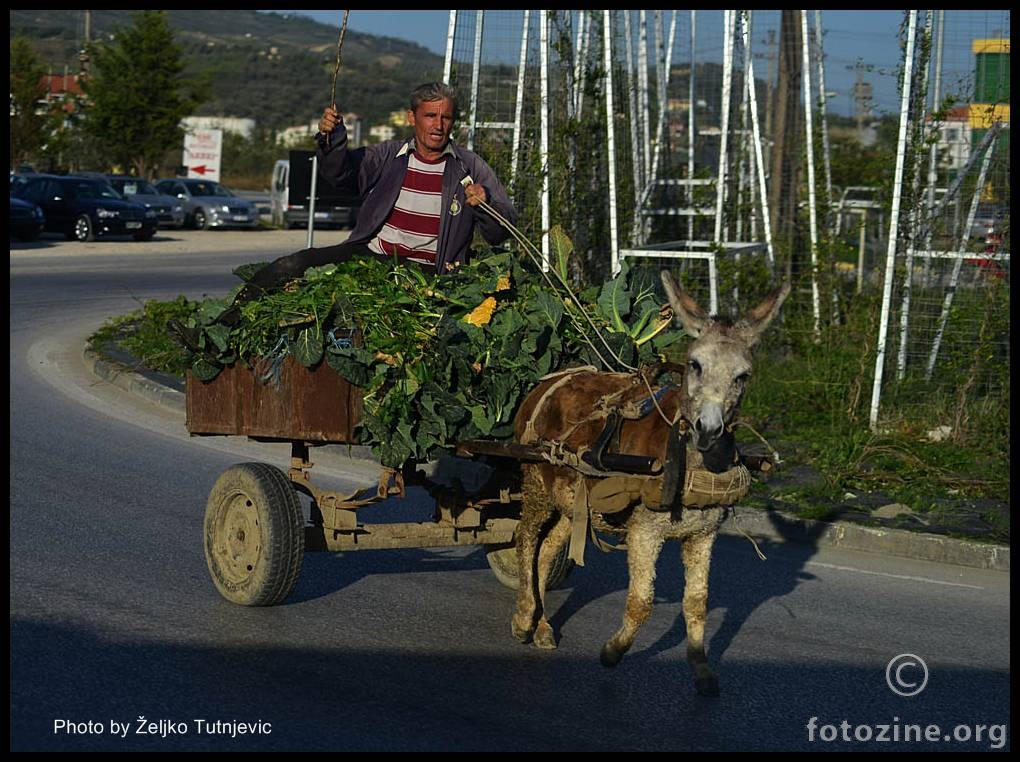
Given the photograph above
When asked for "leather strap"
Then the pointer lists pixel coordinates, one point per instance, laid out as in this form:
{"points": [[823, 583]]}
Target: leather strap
{"points": [[579, 523]]}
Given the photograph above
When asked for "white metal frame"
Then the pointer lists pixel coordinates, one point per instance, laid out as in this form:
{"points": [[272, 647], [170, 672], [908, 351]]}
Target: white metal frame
{"points": [[890, 257], [707, 251]]}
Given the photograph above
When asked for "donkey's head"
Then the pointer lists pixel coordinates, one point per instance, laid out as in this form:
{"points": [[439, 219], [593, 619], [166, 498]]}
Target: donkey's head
{"points": [[718, 360]]}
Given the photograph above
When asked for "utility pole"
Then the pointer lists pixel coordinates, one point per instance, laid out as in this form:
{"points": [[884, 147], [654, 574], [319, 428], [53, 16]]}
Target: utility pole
{"points": [[83, 55], [862, 102]]}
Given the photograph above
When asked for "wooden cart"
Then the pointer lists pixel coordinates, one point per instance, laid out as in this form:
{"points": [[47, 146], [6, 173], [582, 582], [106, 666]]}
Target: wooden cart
{"points": [[256, 533]]}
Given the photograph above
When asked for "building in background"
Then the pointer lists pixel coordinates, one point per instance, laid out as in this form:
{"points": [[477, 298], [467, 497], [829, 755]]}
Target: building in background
{"points": [[302, 134], [243, 127], [991, 103]]}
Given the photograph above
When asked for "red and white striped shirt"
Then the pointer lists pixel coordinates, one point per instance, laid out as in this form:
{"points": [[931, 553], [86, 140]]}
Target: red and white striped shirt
{"points": [[412, 229]]}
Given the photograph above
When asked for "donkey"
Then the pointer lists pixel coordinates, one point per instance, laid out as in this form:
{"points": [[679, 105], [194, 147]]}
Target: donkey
{"points": [[567, 410]]}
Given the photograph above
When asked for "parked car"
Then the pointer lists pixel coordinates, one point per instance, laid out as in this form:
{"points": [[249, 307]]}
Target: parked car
{"points": [[208, 204], [169, 209], [17, 180], [291, 189], [26, 221], [85, 208], [990, 220]]}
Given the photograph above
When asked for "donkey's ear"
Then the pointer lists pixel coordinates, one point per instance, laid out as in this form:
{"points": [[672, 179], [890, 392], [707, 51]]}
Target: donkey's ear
{"points": [[753, 325], [691, 317]]}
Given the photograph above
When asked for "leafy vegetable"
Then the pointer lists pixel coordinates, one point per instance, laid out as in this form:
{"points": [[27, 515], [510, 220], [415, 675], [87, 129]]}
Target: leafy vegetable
{"points": [[438, 360]]}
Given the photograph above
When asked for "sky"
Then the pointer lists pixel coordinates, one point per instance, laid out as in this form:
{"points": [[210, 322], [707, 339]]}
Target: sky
{"points": [[864, 43]]}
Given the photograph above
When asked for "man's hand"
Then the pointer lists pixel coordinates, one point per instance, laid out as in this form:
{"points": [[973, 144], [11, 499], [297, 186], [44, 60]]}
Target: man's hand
{"points": [[331, 119], [475, 194]]}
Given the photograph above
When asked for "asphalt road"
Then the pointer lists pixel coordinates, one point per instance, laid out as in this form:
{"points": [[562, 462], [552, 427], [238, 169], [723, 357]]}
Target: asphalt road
{"points": [[114, 617]]}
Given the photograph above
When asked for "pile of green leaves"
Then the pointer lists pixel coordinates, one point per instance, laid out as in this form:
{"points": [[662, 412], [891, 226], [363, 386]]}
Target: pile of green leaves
{"points": [[439, 359]]}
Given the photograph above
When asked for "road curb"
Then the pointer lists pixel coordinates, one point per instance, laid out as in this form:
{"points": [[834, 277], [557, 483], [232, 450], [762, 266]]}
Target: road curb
{"points": [[783, 527], [124, 377], [771, 525]]}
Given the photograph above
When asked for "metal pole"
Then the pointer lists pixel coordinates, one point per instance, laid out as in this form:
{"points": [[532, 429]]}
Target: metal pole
{"points": [[476, 66], [758, 156], [861, 242], [690, 133], [954, 280], [646, 138], [543, 37], [933, 150], [660, 127], [809, 144], [580, 56], [745, 184], [724, 125], [585, 52], [633, 76], [607, 56], [451, 31], [823, 100], [519, 106], [311, 201], [890, 257], [915, 225]]}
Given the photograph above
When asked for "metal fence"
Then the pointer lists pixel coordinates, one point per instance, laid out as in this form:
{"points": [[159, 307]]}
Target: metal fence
{"points": [[700, 141]]}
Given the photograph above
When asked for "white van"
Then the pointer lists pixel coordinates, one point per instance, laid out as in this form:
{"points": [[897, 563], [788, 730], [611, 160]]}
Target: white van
{"points": [[290, 190]]}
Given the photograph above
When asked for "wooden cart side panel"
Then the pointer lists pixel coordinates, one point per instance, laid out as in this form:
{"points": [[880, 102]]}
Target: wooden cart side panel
{"points": [[314, 405], [211, 407]]}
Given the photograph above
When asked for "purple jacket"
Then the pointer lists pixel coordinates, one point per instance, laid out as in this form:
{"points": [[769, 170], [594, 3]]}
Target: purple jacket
{"points": [[377, 171]]}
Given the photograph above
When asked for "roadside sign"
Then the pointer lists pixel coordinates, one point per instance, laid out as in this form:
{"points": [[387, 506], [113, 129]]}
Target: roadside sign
{"points": [[202, 151]]}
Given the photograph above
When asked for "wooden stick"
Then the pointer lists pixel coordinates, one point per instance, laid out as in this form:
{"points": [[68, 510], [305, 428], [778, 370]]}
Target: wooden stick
{"points": [[339, 49]]}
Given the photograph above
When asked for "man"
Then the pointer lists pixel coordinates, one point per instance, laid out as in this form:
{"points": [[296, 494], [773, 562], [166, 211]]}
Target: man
{"points": [[420, 196], [420, 199]]}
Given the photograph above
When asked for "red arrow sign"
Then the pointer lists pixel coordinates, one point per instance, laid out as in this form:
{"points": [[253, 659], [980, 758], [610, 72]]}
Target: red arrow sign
{"points": [[201, 169]]}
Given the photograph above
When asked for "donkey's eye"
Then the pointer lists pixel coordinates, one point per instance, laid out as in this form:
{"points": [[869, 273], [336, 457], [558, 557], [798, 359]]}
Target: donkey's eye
{"points": [[695, 367]]}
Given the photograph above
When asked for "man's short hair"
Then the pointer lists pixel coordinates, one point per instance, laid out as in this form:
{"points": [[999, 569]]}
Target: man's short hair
{"points": [[433, 91]]}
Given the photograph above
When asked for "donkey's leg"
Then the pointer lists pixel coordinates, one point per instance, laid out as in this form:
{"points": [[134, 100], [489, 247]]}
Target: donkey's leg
{"points": [[697, 555], [536, 512], [644, 543], [551, 546]]}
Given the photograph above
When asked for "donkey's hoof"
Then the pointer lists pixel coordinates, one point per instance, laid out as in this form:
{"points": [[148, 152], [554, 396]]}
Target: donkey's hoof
{"points": [[544, 637], [523, 634], [707, 685], [610, 656]]}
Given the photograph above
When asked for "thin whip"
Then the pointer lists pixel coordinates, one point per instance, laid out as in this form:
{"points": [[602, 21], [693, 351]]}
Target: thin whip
{"points": [[339, 49]]}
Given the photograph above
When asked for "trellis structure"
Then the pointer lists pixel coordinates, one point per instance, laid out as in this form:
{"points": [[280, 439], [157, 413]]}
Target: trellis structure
{"points": [[639, 154], [594, 118], [944, 327]]}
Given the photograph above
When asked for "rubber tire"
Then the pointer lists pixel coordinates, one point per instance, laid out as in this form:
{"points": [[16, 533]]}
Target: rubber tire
{"points": [[503, 562], [199, 220], [254, 535], [83, 231]]}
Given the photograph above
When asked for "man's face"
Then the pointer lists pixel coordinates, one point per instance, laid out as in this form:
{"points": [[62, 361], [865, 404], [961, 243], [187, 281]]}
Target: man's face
{"points": [[432, 124]]}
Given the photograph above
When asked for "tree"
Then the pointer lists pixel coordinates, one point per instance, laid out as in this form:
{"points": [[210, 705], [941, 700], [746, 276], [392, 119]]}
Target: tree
{"points": [[137, 95], [29, 125], [248, 162]]}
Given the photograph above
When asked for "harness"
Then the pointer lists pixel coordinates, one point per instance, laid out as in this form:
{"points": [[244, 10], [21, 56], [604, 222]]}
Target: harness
{"points": [[605, 492]]}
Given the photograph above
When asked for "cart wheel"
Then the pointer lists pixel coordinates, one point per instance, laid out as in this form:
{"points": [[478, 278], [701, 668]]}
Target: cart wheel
{"points": [[503, 562], [254, 535]]}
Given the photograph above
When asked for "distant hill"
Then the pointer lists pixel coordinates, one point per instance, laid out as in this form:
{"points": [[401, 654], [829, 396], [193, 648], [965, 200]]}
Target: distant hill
{"points": [[274, 68]]}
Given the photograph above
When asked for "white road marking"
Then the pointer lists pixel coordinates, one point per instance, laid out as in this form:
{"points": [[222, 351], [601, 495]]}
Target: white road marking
{"points": [[893, 576]]}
